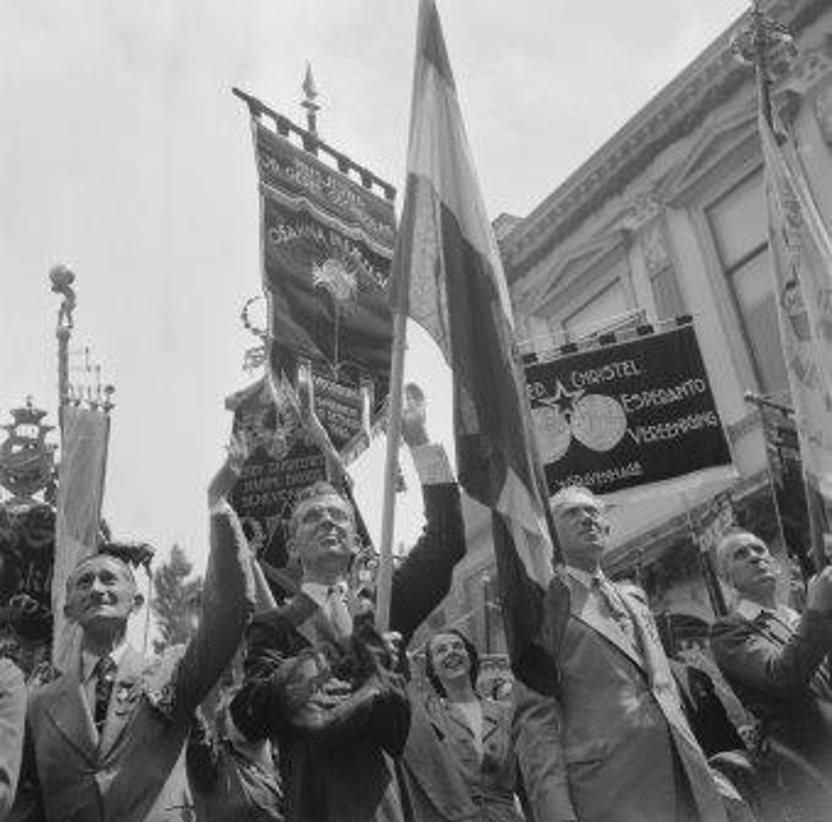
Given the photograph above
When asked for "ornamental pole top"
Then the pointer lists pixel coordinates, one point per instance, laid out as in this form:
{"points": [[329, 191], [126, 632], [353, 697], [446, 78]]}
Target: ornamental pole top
{"points": [[310, 91]]}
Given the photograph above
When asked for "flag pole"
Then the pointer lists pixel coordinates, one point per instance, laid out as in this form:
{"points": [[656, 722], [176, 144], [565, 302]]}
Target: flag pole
{"points": [[391, 466]]}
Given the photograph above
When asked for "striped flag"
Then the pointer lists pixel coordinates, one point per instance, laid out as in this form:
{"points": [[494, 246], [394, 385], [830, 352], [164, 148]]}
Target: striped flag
{"points": [[447, 275], [801, 248], [84, 437]]}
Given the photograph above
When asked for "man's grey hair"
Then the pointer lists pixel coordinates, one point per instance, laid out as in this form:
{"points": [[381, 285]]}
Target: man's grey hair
{"points": [[725, 549], [567, 494]]}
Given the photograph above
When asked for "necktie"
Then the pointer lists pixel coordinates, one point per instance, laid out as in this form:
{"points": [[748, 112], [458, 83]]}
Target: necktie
{"points": [[337, 611], [616, 608], [105, 671]]}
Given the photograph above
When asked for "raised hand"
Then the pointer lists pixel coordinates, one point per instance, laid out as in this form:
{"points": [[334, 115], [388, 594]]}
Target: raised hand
{"points": [[414, 431], [238, 451]]}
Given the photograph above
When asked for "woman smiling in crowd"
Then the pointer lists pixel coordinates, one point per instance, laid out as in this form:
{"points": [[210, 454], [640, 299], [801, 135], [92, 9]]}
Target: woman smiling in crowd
{"points": [[476, 731]]}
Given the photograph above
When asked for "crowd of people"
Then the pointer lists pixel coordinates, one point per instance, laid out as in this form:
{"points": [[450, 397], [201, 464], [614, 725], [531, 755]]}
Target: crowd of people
{"points": [[325, 722]]}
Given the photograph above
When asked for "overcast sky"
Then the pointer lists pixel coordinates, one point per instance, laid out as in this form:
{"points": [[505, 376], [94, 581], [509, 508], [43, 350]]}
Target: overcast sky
{"points": [[124, 154]]}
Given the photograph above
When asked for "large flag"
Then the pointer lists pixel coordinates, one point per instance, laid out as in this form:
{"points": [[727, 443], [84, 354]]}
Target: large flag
{"points": [[84, 438], [447, 275], [802, 254]]}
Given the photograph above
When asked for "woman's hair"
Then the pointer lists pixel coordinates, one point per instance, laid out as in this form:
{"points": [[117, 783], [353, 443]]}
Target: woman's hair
{"points": [[473, 657]]}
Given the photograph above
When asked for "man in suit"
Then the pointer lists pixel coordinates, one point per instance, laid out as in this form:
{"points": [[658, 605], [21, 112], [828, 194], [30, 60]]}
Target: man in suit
{"points": [[318, 680], [613, 744], [777, 661], [12, 712], [108, 735]]}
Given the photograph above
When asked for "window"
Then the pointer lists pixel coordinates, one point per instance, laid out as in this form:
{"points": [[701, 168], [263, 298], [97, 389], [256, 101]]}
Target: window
{"points": [[739, 225], [661, 275], [604, 306], [669, 302]]}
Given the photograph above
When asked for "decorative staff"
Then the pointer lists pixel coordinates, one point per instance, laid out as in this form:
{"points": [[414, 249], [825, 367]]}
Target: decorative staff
{"points": [[758, 44], [62, 278]]}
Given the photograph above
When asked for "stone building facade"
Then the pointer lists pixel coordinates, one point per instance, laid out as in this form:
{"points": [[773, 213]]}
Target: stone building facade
{"points": [[667, 218]]}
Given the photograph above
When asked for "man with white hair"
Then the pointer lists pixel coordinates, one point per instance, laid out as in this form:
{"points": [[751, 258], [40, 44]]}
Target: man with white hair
{"points": [[775, 659], [108, 734]]}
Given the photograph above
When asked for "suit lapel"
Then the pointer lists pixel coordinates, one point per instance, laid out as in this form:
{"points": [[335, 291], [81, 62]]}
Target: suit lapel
{"points": [[652, 652], [68, 710], [126, 690], [490, 718], [585, 608], [309, 620]]}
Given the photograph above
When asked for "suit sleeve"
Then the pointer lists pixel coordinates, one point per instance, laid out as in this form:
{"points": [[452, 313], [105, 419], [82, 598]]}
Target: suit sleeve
{"points": [[746, 656], [227, 603], [536, 732], [12, 714], [424, 579], [256, 707]]}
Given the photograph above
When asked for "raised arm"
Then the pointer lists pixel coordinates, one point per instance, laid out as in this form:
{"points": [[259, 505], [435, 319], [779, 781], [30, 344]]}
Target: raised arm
{"points": [[746, 656], [750, 658], [424, 578], [227, 595]]}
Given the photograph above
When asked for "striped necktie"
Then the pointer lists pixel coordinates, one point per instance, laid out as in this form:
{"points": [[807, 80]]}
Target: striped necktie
{"points": [[105, 671]]}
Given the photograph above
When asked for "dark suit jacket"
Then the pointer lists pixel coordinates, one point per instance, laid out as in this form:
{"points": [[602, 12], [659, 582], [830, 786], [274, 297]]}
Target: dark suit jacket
{"points": [[614, 744], [135, 770], [704, 710], [347, 772], [12, 712], [782, 676]]}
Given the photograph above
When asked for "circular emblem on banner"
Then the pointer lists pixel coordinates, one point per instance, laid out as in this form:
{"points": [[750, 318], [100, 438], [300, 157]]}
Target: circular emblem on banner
{"points": [[598, 422], [553, 432]]}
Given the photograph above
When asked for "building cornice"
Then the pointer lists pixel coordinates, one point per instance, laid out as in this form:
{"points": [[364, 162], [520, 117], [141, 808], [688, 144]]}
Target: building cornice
{"points": [[709, 81]]}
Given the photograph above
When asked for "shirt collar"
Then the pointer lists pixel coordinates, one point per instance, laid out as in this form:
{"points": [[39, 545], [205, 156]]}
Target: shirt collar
{"points": [[89, 660], [319, 591], [750, 610], [584, 577]]}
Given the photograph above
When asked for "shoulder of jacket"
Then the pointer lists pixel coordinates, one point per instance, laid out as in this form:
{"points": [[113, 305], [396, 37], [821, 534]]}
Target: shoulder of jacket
{"points": [[731, 625], [159, 669]]}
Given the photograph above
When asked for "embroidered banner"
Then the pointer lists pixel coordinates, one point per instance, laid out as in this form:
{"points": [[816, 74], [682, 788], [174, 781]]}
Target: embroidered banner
{"points": [[327, 246], [283, 461], [626, 414]]}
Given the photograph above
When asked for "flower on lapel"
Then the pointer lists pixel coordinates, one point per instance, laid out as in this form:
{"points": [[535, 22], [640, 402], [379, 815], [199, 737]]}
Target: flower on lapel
{"points": [[126, 693]]}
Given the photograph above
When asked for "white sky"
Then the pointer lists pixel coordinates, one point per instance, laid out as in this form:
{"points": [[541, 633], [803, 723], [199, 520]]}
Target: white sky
{"points": [[124, 154]]}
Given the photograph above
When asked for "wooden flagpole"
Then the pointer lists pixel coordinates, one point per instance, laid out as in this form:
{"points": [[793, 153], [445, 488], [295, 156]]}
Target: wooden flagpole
{"points": [[391, 466]]}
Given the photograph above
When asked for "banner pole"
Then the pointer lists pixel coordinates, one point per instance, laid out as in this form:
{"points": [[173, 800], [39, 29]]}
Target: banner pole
{"points": [[391, 465]]}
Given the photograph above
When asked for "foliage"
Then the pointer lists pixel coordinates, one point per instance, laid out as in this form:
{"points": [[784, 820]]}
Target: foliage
{"points": [[176, 600]]}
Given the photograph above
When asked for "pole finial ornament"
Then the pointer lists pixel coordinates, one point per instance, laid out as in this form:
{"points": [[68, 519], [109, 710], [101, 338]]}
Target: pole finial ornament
{"points": [[310, 91], [768, 45], [62, 277]]}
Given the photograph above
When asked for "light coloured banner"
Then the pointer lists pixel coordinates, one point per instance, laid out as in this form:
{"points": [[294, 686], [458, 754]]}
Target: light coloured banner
{"points": [[80, 494]]}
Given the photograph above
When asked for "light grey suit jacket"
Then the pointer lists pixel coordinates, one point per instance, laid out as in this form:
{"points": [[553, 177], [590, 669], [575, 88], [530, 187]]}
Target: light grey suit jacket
{"points": [[12, 711], [135, 771], [614, 744]]}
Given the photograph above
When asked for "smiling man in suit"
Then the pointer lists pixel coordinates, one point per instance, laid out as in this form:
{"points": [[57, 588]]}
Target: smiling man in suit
{"points": [[613, 745], [321, 682], [107, 736], [12, 710]]}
